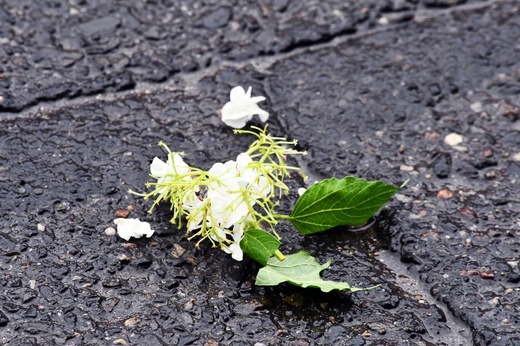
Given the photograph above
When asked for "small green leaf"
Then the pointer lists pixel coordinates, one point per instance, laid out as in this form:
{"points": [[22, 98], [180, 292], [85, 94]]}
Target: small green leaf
{"points": [[300, 269], [259, 245], [333, 202]]}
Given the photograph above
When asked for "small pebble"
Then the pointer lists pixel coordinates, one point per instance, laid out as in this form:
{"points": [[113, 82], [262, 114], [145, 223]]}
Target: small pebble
{"points": [[445, 194], [383, 21], [402, 198], [178, 251], [122, 213], [132, 321], [431, 135], [41, 227], [120, 342], [516, 157], [476, 107], [487, 276], [110, 231], [453, 139], [469, 213], [461, 148], [490, 175], [189, 304], [406, 168], [487, 152]]}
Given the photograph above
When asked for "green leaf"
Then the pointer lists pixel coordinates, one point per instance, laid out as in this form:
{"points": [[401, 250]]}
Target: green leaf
{"points": [[259, 245], [333, 202], [300, 269]]}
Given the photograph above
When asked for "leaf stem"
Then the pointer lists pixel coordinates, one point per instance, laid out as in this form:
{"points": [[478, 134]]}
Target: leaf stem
{"points": [[282, 216], [279, 255]]}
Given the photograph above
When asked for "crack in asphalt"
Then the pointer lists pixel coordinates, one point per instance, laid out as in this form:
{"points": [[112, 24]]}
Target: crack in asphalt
{"points": [[261, 63]]}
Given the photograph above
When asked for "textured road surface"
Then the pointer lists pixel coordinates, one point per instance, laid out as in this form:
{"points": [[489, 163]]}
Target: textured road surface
{"points": [[369, 88]]}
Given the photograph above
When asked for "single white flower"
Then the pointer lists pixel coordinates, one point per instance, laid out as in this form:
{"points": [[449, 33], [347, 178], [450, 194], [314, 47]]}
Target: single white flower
{"points": [[165, 171], [241, 108], [127, 228]]}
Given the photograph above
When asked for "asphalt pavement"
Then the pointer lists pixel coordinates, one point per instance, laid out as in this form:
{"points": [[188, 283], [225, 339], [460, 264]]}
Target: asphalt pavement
{"points": [[425, 90]]}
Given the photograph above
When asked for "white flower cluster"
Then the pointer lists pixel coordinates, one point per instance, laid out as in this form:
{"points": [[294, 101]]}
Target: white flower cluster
{"points": [[229, 199], [220, 205]]}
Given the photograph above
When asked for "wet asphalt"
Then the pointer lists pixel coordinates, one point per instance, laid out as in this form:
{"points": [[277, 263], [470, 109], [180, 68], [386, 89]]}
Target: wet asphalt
{"points": [[369, 88]]}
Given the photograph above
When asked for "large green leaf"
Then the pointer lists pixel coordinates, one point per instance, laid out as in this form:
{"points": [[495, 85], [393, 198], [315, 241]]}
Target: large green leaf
{"points": [[334, 202], [259, 245], [300, 269]]}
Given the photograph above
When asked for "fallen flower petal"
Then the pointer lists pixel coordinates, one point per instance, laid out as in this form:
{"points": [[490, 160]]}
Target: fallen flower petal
{"points": [[241, 108], [127, 228]]}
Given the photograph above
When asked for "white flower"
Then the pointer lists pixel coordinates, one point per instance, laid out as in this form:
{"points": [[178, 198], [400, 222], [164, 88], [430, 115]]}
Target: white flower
{"points": [[235, 190], [127, 228], [241, 108], [165, 171]]}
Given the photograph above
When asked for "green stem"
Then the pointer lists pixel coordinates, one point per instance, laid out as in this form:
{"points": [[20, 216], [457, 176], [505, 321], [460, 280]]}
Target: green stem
{"points": [[281, 216], [279, 255]]}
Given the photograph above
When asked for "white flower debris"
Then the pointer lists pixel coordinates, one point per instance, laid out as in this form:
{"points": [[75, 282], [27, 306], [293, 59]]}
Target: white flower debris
{"points": [[127, 228], [241, 108], [226, 201]]}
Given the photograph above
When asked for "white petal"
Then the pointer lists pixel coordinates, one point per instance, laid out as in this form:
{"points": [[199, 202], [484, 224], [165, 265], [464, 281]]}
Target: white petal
{"points": [[218, 169], [158, 167], [238, 94], [236, 252], [179, 166], [254, 109], [242, 161], [219, 235], [238, 232], [256, 99], [235, 114], [236, 124], [127, 228], [263, 115]]}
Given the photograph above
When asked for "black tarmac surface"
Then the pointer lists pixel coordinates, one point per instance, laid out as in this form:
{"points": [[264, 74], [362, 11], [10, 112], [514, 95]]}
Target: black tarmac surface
{"points": [[370, 88]]}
